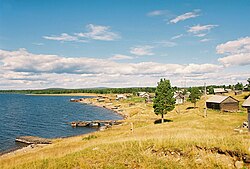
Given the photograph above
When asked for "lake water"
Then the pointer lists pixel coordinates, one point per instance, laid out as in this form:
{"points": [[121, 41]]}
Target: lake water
{"points": [[44, 116]]}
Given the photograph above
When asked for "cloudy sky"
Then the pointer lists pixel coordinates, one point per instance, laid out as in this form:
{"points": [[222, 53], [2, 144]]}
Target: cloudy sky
{"points": [[115, 43]]}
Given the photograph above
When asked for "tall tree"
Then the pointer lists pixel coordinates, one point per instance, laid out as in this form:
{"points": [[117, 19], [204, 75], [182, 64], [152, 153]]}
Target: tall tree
{"points": [[194, 95], [164, 98]]}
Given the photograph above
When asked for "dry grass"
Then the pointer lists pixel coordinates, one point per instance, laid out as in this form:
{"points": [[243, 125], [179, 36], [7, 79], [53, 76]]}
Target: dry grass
{"points": [[149, 146]]}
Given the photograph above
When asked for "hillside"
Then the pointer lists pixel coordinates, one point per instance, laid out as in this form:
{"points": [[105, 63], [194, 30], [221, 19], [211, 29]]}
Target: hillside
{"points": [[185, 140]]}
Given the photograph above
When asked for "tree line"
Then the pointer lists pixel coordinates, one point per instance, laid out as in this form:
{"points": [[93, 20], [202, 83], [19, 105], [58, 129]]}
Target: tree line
{"points": [[133, 90]]}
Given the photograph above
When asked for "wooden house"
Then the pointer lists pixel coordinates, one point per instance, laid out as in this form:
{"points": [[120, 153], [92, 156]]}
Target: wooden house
{"points": [[223, 103], [246, 104], [219, 91], [121, 97], [179, 98], [143, 94]]}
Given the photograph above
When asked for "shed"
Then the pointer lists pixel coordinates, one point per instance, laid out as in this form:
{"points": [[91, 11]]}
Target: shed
{"points": [[223, 103], [246, 104], [120, 97], [219, 91], [143, 95]]}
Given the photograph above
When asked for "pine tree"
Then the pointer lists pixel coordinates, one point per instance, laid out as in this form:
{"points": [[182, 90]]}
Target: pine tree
{"points": [[164, 98], [194, 95]]}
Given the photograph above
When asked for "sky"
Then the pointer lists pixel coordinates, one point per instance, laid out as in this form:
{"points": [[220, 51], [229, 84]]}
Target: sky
{"points": [[123, 43]]}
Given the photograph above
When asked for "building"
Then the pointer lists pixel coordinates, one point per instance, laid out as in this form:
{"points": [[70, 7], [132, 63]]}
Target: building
{"points": [[219, 91], [120, 97], [223, 103], [143, 95], [246, 104], [179, 98]]}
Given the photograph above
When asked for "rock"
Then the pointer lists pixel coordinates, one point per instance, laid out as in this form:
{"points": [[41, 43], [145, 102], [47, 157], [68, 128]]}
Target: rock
{"points": [[102, 128], [198, 161], [239, 164], [96, 148]]}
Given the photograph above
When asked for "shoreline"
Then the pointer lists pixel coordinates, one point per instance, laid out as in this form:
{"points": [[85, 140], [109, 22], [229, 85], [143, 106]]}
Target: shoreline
{"points": [[66, 94], [88, 101]]}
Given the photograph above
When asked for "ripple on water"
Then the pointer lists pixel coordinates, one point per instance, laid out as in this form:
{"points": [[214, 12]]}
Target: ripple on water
{"points": [[44, 116]]}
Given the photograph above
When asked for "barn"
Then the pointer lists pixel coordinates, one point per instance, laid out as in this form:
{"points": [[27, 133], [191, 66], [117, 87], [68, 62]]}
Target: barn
{"points": [[223, 103]]}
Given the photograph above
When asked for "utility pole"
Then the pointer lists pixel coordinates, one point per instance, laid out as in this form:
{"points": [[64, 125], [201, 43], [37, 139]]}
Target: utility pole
{"points": [[205, 97]]}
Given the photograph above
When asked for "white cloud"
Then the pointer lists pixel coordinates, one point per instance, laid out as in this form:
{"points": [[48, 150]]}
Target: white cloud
{"points": [[185, 16], [200, 28], [142, 50], [237, 59], [201, 35], [157, 13], [97, 32], [23, 61], [177, 36], [237, 51], [38, 44], [63, 37], [165, 43], [205, 40], [120, 57], [22, 69], [241, 45]]}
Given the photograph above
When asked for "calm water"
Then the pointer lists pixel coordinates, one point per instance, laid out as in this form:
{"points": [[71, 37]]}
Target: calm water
{"points": [[44, 116]]}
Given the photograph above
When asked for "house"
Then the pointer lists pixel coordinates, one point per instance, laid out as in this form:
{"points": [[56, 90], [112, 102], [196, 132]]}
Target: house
{"points": [[219, 91], [120, 97], [246, 104], [245, 87], [143, 95], [179, 98], [223, 103]]}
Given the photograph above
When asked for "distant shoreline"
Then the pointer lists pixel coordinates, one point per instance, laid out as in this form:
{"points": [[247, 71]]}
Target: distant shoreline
{"points": [[66, 94]]}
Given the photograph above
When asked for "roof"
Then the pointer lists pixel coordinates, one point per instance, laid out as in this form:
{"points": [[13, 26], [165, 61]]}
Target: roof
{"points": [[218, 99], [246, 103], [178, 95], [219, 90]]}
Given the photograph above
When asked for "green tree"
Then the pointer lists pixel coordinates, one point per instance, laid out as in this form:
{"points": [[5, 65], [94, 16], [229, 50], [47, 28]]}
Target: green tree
{"points": [[210, 90], [164, 98], [194, 95], [248, 88], [239, 86]]}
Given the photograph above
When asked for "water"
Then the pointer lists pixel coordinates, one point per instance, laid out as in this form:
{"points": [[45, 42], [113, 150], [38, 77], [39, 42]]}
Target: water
{"points": [[44, 116]]}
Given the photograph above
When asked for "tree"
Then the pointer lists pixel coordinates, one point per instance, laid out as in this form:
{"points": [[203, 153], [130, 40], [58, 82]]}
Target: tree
{"points": [[164, 98], [210, 90], [239, 86], [248, 86], [194, 95]]}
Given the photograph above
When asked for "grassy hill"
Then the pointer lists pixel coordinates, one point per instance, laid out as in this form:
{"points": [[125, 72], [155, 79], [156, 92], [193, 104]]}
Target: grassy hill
{"points": [[187, 140]]}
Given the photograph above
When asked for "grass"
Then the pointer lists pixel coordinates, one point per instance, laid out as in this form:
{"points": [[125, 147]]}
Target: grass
{"points": [[168, 145]]}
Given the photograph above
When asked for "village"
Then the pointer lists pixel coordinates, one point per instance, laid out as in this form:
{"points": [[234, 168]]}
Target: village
{"points": [[220, 99], [213, 130]]}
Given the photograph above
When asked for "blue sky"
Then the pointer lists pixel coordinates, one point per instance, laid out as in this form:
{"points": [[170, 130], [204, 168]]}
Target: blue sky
{"points": [[115, 43]]}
